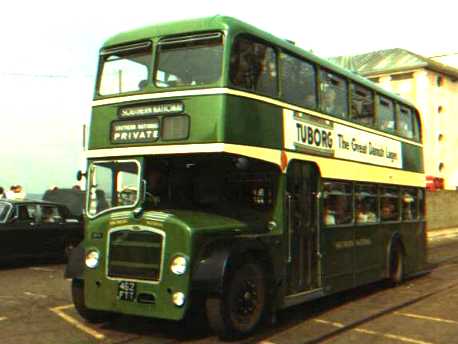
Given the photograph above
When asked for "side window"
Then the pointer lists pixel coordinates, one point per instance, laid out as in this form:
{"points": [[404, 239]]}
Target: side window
{"points": [[50, 214], [386, 115], [333, 94], [366, 204], [26, 213], [297, 80], [253, 66], [416, 126], [409, 204], [406, 127], [389, 204], [337, 203], [362, 105]]}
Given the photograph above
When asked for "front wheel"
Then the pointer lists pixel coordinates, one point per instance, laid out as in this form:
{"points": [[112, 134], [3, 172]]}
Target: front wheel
{"points": [[90, 315], [240, 309]]}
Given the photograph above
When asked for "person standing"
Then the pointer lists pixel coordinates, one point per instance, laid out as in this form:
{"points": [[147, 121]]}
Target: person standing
{"points": [[2, 193]]}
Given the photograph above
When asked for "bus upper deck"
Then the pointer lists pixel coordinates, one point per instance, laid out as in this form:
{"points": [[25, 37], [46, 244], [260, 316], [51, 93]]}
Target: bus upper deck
{"points": [[236, 85]]}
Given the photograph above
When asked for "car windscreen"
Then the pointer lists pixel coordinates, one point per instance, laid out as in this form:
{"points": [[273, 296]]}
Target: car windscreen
{"points": [[4, 210]]}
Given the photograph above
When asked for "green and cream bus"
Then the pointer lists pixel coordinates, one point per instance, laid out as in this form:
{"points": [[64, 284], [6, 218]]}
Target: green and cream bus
{"points": [[231, 171]]}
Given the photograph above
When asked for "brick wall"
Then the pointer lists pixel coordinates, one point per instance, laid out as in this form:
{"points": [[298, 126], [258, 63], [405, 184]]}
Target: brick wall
{"points": [[441, 209]]}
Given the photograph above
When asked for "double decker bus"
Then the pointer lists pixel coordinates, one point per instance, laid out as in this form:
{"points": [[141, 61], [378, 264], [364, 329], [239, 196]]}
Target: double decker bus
{"points": [[230, 171]]}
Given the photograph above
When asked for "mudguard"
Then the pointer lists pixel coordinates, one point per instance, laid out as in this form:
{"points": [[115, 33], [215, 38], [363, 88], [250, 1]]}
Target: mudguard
{"points": [[210, 270], [75, 264], [396, 237], [208, 275]]}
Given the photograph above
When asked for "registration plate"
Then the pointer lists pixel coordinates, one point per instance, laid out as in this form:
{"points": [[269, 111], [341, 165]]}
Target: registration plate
{"points": [[127, 291]]}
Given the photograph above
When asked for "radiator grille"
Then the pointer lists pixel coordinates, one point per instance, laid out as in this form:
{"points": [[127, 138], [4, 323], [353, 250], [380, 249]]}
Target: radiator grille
{"points": [[135, 255]]}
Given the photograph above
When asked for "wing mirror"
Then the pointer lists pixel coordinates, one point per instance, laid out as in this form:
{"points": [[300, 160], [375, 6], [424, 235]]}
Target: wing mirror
{"points": [[80, 174]]}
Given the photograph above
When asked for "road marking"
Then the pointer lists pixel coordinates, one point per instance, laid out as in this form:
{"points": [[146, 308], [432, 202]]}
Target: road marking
{"points": [[335, 324], [35, 268], [40, 296], [374, 333], [424, 317], [79, 325]]}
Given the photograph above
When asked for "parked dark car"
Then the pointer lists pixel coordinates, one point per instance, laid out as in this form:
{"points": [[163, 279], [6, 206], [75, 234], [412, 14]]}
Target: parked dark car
{"points": [[37, 229], [73, 198]]}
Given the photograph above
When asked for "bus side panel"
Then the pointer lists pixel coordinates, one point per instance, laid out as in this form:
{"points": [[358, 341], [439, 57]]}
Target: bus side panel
{"points": [[337, 247], [413, 251], [253, 123], [369, 253]]}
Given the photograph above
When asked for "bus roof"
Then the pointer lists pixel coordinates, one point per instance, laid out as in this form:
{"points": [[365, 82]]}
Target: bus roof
{"points": [[225, 23]]}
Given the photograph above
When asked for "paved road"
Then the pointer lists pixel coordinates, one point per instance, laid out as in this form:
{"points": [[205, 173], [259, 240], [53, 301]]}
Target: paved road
{"points": [[35, 308]]}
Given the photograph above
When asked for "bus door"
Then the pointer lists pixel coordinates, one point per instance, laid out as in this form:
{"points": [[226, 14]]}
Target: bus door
{"points": [[303, 249]]}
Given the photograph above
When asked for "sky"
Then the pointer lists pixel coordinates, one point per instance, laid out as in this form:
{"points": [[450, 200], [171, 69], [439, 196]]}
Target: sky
{"points": [[49, 56]]}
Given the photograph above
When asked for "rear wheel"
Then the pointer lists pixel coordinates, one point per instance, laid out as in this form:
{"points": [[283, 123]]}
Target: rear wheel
{"points": [[240, 309], [90, 315]]}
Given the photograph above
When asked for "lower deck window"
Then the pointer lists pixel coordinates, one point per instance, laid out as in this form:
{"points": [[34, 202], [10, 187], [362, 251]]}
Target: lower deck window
{"points": [[338, 203]]}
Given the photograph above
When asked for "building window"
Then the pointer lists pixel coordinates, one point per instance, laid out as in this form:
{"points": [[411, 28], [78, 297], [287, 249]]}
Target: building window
{"points": [[440, 137], [403, 76], [440, 81]]}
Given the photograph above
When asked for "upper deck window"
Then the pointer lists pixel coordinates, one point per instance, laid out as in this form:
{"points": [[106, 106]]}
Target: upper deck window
{"points": [[253, 66], [189, 60], [408, 123], [386, 115], [362, 105], [124, 69], [333, 94], [297, 79]]}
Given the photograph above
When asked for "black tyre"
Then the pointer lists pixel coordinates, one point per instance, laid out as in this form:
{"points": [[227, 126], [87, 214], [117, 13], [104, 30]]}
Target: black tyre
{"points": [[241, 307], [396, 272], [90, 315], [68, 248]]}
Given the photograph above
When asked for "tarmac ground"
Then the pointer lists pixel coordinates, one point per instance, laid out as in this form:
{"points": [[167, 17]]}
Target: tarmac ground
{"points": [[36, 308]]}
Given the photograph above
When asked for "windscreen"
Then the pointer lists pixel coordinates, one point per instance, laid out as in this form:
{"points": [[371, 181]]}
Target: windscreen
{"points": [[228, 185], [124, 69], [189, 60], [4, 208], [112, 184]]}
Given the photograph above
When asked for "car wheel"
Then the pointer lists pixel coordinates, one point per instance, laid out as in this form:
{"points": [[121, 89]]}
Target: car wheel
{"points": [[68, 250], [90, 315], [240, 309]]}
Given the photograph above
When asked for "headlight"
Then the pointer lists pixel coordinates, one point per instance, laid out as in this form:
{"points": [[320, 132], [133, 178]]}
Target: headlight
{"points": [[178, 265], [178, 299], [92, 259]]}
